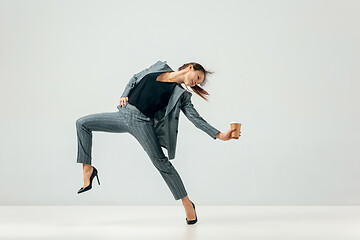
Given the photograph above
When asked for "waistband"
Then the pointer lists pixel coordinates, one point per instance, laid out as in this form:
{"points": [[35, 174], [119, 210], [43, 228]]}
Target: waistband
{"points": [[131, 107]]}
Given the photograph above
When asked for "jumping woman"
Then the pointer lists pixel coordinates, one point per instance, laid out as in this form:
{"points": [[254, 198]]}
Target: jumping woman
{"points": [[149, 110]]}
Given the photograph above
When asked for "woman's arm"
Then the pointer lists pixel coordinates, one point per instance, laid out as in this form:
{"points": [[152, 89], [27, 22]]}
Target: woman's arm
{"points": [[130, 85], [190, 112]]}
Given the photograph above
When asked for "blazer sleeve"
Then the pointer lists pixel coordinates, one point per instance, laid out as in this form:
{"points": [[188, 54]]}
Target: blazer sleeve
{"points": [[134, 80], [190, 112]]}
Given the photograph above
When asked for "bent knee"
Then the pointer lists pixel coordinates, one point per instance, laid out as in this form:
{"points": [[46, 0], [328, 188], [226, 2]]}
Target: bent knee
{"points": [[80, 121]]}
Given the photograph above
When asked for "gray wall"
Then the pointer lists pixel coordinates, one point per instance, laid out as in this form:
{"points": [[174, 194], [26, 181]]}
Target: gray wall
{"points": [[288, 70]]}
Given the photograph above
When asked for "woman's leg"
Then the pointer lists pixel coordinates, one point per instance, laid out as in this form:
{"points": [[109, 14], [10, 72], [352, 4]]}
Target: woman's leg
{"points": [[146, 136], [115, 122]]}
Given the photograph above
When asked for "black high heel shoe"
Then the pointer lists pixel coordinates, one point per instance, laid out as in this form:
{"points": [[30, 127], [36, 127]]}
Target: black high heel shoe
{"points": [[94, 173], [192, 221]]}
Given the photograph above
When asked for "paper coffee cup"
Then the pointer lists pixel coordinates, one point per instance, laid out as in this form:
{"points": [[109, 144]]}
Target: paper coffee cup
{"points": [[237, 126]]}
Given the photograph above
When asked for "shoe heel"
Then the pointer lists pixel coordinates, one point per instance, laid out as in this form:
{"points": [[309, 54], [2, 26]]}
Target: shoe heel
{"points": [[97, 179]]}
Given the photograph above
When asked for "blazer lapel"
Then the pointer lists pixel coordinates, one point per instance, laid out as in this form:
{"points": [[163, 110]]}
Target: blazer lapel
{"points": [[178, 91], [161, 66]]}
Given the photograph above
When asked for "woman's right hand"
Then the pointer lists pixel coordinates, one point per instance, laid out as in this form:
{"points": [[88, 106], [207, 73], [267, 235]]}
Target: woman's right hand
{"points": [[123, 101]]}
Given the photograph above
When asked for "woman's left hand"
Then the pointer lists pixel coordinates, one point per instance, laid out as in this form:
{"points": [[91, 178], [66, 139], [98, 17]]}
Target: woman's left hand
{"points": [[226, 136]]}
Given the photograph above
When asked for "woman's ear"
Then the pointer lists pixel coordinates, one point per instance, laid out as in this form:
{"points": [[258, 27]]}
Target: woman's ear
{"points": [[189, 67]]}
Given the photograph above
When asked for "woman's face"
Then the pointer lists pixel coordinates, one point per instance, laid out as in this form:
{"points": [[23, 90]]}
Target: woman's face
{"points": [[193, 77]]}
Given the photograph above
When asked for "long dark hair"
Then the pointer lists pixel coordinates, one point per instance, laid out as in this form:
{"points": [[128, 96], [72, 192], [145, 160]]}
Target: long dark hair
{"points": [[197, 89]]}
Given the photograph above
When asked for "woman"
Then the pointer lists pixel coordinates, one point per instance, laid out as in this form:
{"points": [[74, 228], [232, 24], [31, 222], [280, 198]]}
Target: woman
{"points": [[149, 110]]}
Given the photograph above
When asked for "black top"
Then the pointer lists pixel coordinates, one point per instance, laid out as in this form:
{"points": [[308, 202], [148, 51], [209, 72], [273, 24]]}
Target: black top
{"points": [[149, 95]]}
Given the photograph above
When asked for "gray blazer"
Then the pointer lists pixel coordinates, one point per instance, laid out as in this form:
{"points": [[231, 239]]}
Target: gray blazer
{"points": [[166, 120]]}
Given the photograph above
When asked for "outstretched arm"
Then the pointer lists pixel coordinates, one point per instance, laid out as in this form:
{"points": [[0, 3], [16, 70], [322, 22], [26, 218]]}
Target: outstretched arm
{"points": [[190, 112]]}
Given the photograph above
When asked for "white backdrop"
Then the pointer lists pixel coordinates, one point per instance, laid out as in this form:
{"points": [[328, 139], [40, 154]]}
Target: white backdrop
{"points": [[287, 70]]}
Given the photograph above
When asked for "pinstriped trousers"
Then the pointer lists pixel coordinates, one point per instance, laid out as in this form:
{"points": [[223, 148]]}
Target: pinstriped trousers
{"points": [[129, 120]]}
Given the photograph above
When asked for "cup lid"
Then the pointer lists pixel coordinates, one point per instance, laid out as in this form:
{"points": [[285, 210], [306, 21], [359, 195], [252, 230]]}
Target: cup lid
{"points": [[235, 122]]}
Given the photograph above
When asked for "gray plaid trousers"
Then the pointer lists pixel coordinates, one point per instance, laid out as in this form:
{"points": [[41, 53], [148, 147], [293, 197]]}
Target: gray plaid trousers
{"points": [[129, 120]]}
